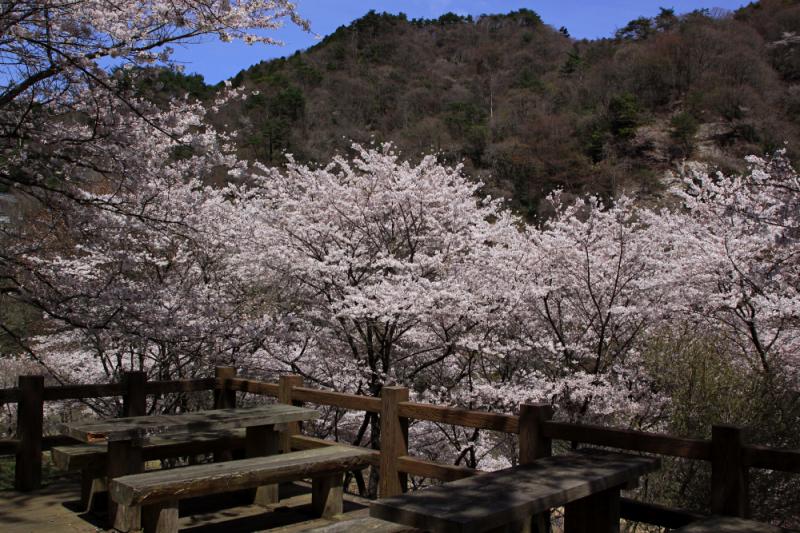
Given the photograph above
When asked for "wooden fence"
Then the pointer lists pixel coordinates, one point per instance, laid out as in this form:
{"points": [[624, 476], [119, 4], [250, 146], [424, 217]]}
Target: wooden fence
{"points": [[727, 451]]}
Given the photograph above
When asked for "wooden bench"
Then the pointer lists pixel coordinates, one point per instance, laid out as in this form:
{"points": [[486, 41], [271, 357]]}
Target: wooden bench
{"points": [[729, 525], [586, 483], [158, 492], [91, 459], [364, 525]]}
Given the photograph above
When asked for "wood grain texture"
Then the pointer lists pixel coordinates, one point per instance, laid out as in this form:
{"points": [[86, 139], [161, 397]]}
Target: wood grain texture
{"points": [[161, 517], [79, 456], [146, 427], [285, 396], [729, 525], [394, 441], [214, 478], [327, 495], [729, 476], [262, 441], [365, 525], [338, 399], [30, 417], [487, 501], [460, 417], [629, 440]]}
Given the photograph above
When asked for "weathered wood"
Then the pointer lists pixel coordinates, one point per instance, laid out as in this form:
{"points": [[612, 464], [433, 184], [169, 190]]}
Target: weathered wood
{"points": [[729, 525], [533, 445], [285, 385], [338, 399], [28, 467], [262, 441], [327, 494], [365, 525], [253, 386], [145, 427], [180, 385], [473, 504], [304, 442], [394, 441], [123, 459], [9, 395], [598, 513], [657, 515], [80, 456], [74, 392], [460, 417], [161, 517], [214, 478], [728, 472], [784, 460], [423, 468], [224, 398], [625, 439], [134, 401]]}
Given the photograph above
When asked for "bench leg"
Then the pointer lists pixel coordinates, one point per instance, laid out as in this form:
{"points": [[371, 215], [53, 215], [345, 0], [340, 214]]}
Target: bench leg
{"points": [[123, 458], [92, 484], [598, 513], [327, 495], [260, 441], [160, 518]]}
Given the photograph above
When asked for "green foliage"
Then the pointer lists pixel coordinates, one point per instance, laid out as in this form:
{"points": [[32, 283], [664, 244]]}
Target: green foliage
{"points": [[624, 115], [683, 128], [636, 30]]}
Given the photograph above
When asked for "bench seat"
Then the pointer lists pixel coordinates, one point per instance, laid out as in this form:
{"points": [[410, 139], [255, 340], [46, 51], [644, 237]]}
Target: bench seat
{"points": [[729, 525], [158, 492]]}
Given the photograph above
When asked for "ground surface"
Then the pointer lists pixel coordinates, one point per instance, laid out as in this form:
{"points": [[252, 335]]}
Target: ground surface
{"points": [[55, 508]]}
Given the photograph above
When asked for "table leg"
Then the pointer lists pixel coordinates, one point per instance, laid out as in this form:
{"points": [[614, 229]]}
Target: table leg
{"points": [[123, 458], [598, 513], [261, 441]]}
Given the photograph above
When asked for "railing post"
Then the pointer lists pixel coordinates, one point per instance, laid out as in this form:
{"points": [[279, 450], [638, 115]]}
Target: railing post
{"points": [[30, 417], [224, 397], [533, 444], [134, 402], [394, 442], [729, 476], [285, 384]]}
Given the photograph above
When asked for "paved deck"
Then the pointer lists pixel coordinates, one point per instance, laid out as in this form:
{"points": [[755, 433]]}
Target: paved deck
{"points": [[55, 508]]}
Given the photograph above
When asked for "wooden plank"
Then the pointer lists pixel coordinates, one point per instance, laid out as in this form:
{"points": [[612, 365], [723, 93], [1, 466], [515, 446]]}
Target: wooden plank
{"points": [[224, 396], [629, 440], [252, 386], [730, 525], [303, 442], [134, 401], [473, 504], [9, 395], [460, 417], [729, 476], [424, 468], [285, 396], [144, 427], [123, 459], [596, 513], [657, 515], [533, 445], [365, 525], [342, 400], [785, 460], [262, 441], [30, 417], [181, 385], [78, 456], [214, 478], [394, 442], [76, 392]]}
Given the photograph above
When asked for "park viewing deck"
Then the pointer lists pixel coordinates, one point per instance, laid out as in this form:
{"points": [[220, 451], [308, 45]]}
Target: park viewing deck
{"points": [[267, 475]]}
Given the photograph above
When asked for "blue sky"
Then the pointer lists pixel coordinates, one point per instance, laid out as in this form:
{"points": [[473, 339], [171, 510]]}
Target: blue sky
{"points": [[583, 18]]}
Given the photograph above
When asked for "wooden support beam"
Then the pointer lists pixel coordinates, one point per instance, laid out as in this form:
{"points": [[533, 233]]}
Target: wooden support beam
{"points": [[134, 400], [30, 416], [224, 398], [533, 445], [285, 385], [394, 442], [729, 476], [327, 495]]}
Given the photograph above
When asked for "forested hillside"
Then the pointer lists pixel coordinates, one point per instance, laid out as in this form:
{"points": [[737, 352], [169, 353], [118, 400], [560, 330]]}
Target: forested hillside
{"points": [[529, 108]]}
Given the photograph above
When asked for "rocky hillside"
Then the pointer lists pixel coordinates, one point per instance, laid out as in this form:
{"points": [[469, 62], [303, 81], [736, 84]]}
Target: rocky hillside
{"points": [[528, 108]]}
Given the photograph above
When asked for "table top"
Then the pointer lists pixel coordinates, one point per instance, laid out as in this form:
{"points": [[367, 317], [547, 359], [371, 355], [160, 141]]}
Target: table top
{"points": [[486, 501], [142, 427]]}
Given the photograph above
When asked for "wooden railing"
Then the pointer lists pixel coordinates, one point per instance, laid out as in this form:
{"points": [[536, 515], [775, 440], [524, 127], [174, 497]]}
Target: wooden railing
{"points": [[728, 453]]}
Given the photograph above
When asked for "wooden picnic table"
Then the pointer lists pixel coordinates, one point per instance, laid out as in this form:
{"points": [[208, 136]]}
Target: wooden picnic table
{"points": [[587, 483], [126, 436]]}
